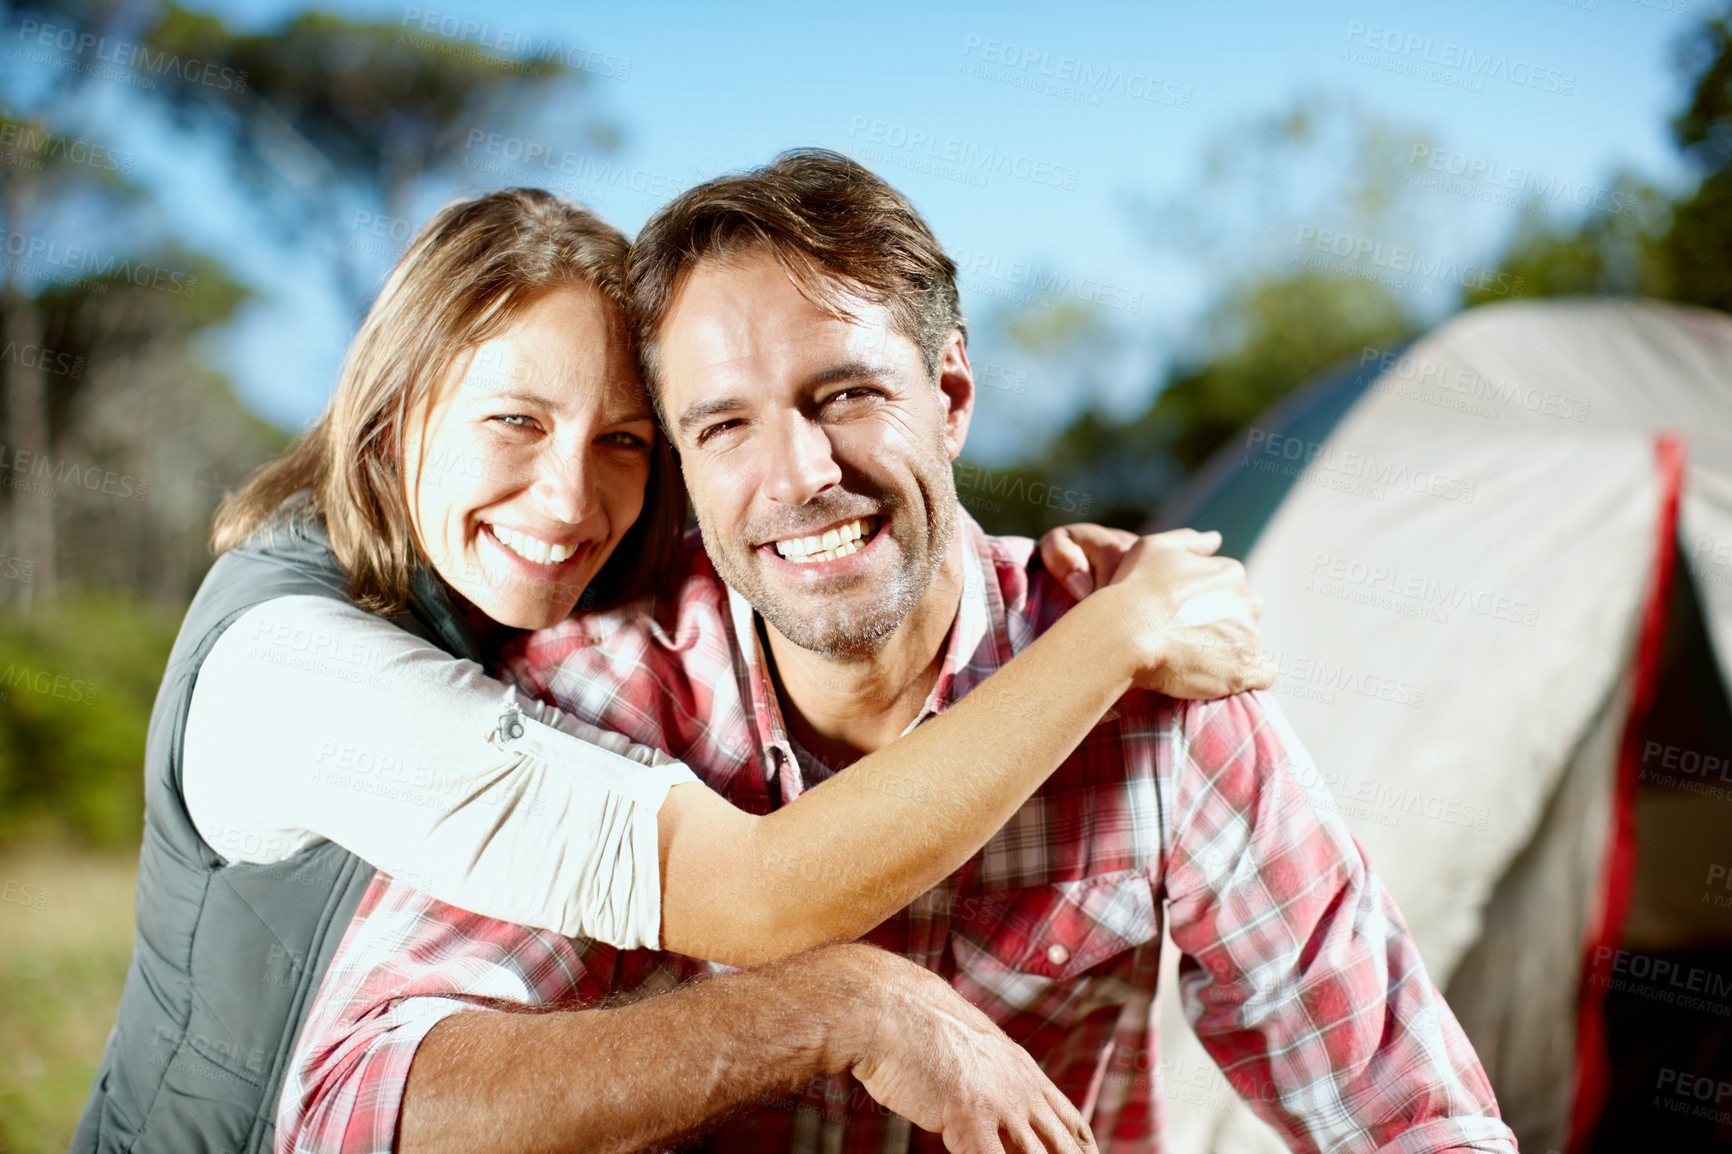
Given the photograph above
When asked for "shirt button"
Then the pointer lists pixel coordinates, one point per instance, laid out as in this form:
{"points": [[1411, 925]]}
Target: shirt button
{"points": [[1057, 955]]}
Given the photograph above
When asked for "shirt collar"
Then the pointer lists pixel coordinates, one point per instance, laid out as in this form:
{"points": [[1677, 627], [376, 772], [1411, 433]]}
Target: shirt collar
{"points": [[977, 643]]}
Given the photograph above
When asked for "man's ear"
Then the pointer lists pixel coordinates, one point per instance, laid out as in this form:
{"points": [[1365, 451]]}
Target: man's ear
{"points": [[956, 387]]}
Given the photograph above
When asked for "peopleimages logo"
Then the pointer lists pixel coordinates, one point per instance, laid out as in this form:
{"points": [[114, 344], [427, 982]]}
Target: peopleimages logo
{"points": [[967, 156], [526, 48], [1318, 680], [1046, 282], [1662, 979], [1431, 380], [125, 54], [1694, 1095], [60, 364], [488, 151], [28, 145], [49, 684], [995, 376], [1070, 77], [1419, 52], [1523, 183], [1711, 561], [1398, 261], [1411, 594], [73, 262], [38, 473], [24, 894], [1287, 456], [975, 479]]}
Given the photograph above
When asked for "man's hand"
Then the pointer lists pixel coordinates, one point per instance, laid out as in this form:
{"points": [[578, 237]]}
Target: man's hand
{"points": [[663, 1069], [942, 1064], [1192, 618]]}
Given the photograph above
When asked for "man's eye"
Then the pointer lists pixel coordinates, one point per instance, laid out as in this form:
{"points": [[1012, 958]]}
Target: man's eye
{"points": [[627, 440], [711, 430]]}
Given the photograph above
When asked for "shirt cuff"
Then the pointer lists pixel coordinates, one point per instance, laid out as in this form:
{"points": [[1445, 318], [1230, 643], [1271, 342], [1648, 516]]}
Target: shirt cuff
{"points": [[355, 1107]]}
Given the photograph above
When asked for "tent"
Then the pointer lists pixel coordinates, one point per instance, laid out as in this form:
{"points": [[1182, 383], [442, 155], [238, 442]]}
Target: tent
{"points": [[1498, 567]]}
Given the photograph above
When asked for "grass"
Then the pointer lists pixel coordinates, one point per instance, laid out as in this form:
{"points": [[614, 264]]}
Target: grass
{"points": [[77, 679], [66, 935], [76, 683]]}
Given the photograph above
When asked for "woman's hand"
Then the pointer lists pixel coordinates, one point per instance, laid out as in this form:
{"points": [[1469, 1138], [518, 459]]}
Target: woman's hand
{"points": [[746, 889], [1084, 556], [1189, 615]]}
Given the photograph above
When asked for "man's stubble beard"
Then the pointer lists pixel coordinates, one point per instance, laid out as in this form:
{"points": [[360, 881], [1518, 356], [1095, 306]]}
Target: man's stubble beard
{"points": [[839, 634]]}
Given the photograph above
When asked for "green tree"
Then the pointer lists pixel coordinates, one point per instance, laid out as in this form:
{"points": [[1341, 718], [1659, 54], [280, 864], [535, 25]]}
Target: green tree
{"points": [[1670, 247], [1698, 247], [1321, 163], [1266, 336], [324, 116], [1620, 253], [39, 169], [333, 115]]}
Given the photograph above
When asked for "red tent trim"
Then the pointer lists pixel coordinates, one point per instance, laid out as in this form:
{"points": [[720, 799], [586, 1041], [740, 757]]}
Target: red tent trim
{"points": [[1593, 1059]]}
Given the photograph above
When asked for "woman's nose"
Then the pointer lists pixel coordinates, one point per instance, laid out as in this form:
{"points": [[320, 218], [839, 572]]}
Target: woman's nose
{"points": [[564, 485]]}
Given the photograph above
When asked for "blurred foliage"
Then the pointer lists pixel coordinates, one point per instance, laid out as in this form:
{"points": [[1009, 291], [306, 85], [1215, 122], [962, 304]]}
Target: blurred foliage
{"points": [[149, 411], [1604, 254], [323, 115], [333, 110], [1267, 334], [1278, 326], [1271, 329], [1674, 248], [1270, 334], [105, 329], [77, 682], [131, 412], [1698, 247], [117, 438]]}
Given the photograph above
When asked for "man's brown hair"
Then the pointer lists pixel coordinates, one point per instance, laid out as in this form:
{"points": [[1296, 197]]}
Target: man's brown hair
{"points": [[834, 226], [466, 276]]}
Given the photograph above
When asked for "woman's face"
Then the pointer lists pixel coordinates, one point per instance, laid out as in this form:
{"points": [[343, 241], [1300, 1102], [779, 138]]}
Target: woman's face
{"points": [[526, 469]]}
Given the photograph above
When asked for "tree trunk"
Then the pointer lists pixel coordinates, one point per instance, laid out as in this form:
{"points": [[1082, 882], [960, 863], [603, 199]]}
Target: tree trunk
{"points": [[25, 449]]}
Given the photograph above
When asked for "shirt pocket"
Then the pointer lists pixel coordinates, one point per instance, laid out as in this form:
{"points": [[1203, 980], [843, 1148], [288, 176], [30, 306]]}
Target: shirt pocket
{"points": [[1055, 931]]}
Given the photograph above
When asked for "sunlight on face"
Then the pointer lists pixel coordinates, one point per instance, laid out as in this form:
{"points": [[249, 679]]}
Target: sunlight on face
{"points": [[525, 471], [816, 451]]}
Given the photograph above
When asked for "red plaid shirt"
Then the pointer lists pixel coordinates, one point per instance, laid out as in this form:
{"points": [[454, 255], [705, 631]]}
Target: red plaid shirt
{"points": [[1297, 971]]}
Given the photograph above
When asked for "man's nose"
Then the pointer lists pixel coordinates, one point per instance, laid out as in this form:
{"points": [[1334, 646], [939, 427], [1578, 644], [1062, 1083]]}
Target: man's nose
{"points": [[801, 461]]}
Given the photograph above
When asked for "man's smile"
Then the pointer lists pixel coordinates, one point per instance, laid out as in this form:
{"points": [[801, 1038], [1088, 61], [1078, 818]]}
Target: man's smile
{"points": [[838, 541]]}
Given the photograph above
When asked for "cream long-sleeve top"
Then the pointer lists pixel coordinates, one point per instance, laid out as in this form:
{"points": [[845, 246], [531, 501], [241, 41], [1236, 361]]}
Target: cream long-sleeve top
{"points": [[315, 720]]}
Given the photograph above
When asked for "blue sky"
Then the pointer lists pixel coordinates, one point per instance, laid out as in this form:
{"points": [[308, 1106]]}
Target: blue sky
{"points": [[923, 93]]}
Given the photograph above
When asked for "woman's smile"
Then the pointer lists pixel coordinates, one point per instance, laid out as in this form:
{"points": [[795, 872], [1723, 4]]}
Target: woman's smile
{"points": [[555, 435], [532, 548]]}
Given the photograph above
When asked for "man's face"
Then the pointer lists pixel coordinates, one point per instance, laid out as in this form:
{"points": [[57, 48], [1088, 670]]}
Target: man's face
{"points": [[816, 451]]}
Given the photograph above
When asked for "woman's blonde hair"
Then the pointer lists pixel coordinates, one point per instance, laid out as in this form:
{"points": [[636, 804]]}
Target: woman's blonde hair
{"points": [[472, 270]]}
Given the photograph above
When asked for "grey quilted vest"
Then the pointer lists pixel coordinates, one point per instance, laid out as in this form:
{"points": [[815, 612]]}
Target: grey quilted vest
{"points": [[227, 957]]}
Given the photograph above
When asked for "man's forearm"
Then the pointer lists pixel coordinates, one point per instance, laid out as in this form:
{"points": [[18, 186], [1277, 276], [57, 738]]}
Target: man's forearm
{"points": [[637, 1075]]}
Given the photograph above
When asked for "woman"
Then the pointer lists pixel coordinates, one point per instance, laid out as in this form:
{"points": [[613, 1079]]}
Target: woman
{"points": [[488, 458]]}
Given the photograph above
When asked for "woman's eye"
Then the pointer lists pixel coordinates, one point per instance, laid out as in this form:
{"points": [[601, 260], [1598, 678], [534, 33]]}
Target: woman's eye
{"points": [[515, 420], [627, 440]]}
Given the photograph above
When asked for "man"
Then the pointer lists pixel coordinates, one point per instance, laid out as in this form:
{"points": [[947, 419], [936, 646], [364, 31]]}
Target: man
{"points": [[801, 336]]}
